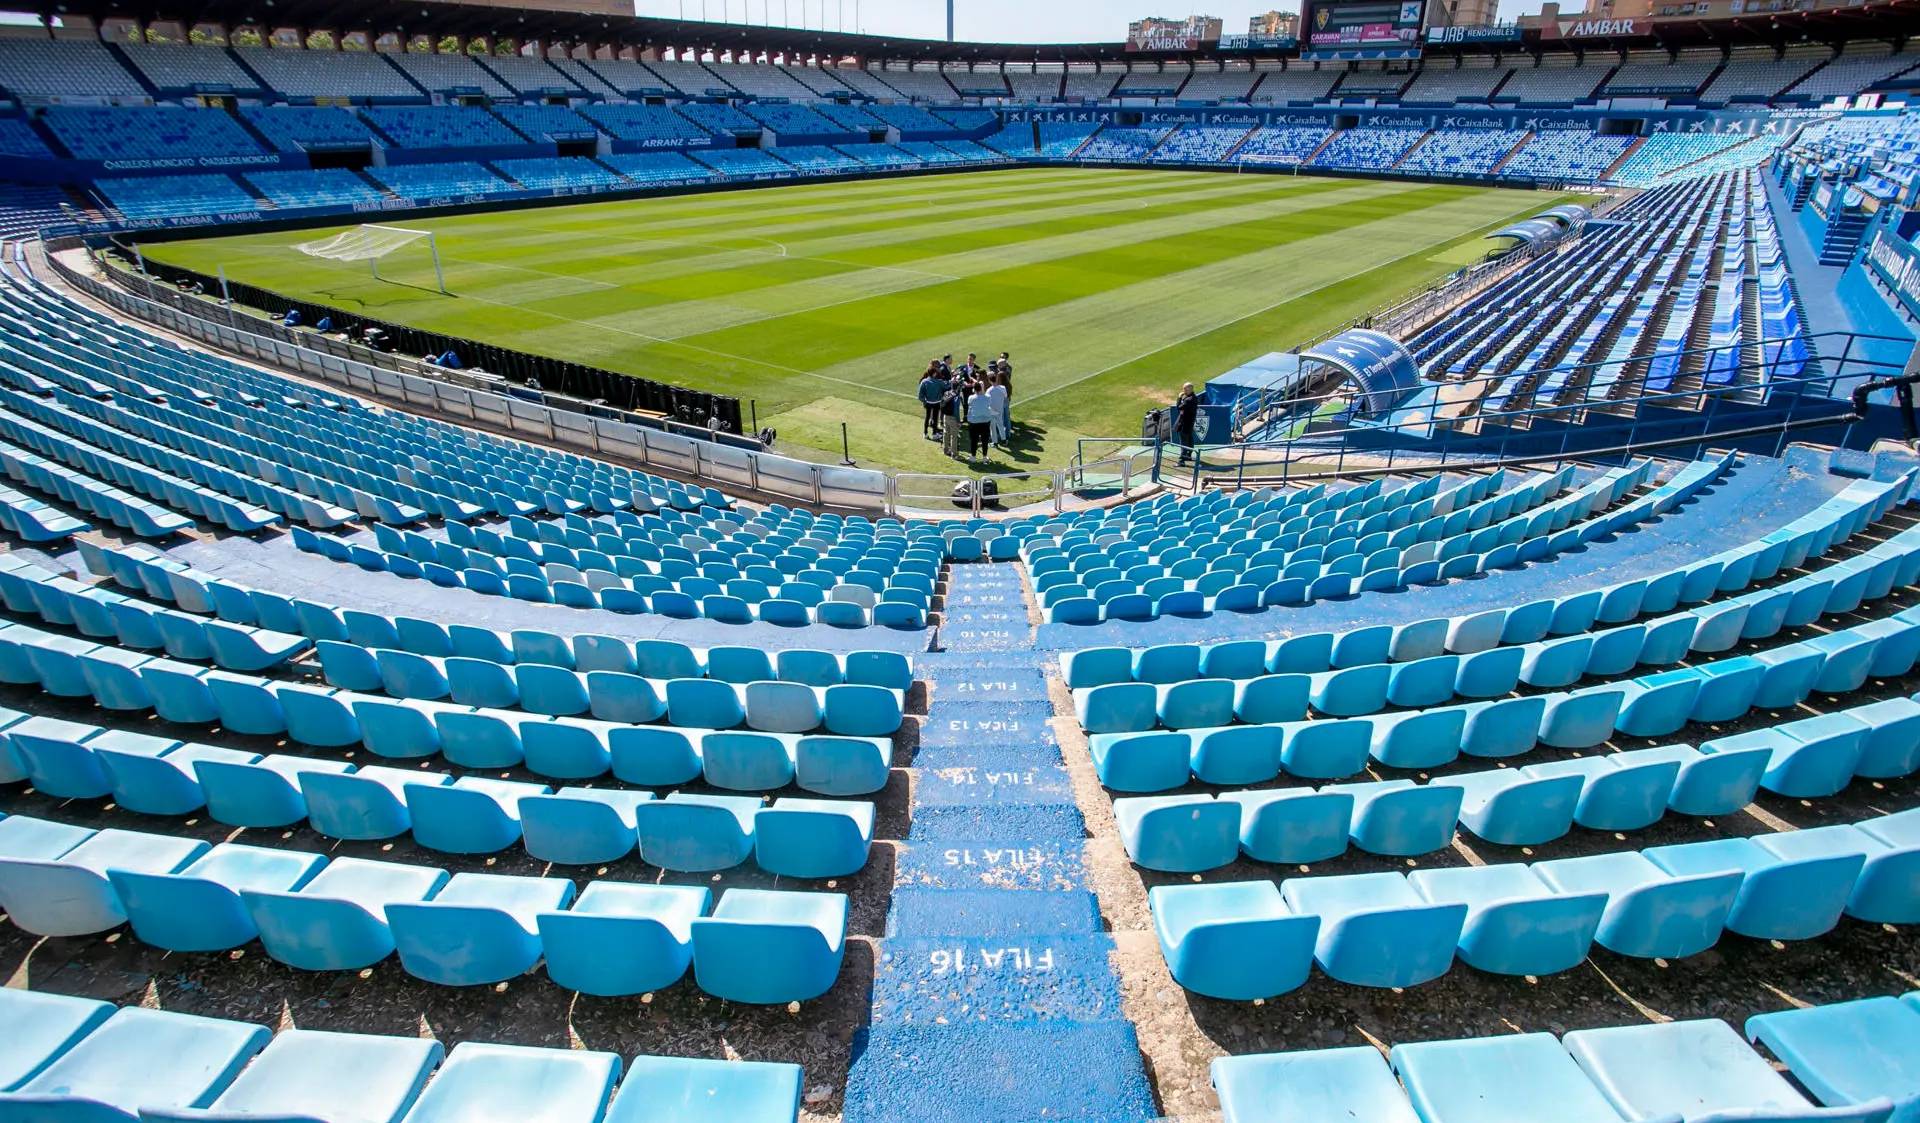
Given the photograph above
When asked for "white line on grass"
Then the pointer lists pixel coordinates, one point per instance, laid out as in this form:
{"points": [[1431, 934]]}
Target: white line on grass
{"points": [[1190, 337], [696, 347]]}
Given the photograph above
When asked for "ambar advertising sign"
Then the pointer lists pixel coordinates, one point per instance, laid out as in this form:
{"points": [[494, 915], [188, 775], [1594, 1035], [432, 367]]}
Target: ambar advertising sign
{"points": [[1163, 41]]}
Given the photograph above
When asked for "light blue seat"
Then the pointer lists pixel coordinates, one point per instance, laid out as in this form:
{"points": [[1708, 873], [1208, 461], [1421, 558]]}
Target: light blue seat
{"points": [[747, 762], [1239, 754], [696, 833], [1580, 719], [348, 666], [841, 766], [858, 710], [478, 929], [1696, 1070], [1807, 759], [768, 946], [482, 1083], [198, 907], [263, 793], [481, 682], [1293, 826], [1884, 892], [704, 704], [481, 739], [312, 1074], [1272, 698], [1324, 750], [569, 749], [1179, 834], [1848, 1053], [1618, 792], [1351, 691], [60, 757], [370, 803], [1650, 912], [401, 729], [1512, 1078], [1418, 739], [1516, 923], [622, 697], [1400, 817], [813, 838], [1375, 930], [404, 674], [1122, 707], [138, 1059], [1195, 703], [1779, 899], [653, 756], [42, 1028], [555, 691], [1708, 784], [580, 826], [1237, 940], [1143, 762], [1424, 682], [621, 938], [1892, 745], [1504, 728], [319, 716], [1514, 807], [64, 890], [472, 815], [697, 1090], [782, 707], [1351, 1083], [337, 921]]}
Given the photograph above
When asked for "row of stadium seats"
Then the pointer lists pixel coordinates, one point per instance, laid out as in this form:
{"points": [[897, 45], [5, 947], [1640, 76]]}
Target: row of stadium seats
{"points": [[91, 1057], [1846, 1056]]}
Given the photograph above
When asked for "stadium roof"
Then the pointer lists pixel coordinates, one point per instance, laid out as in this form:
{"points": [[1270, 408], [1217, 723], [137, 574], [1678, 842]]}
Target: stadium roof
{"points": [[609, 21]]}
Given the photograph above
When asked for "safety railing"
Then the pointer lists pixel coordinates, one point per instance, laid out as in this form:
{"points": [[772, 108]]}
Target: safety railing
{"points": [[1587, 414]]}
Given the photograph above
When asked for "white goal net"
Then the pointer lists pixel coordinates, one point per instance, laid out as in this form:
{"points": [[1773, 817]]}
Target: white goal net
{"points": [[371, 244]]}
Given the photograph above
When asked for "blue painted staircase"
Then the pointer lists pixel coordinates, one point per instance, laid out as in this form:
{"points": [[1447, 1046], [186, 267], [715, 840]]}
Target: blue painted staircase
{"points": [[994, 997]]}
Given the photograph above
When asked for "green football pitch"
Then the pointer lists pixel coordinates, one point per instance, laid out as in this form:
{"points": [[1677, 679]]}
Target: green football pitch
{"points": [[822, 303]]}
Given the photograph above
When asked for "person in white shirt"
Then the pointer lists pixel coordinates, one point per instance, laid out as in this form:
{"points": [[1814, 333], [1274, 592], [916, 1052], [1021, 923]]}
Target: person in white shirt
{"points": [[979, 423], [997, 401]]}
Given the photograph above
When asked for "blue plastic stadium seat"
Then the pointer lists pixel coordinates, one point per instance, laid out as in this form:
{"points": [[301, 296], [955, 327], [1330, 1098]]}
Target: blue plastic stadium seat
{"points": [[314, 1074], [1516, 923], [1650, 912], [622, 939], [766, 946], [696, 833], [1847, 1053], [1375, 930], [1514, 1077], [813, 838], [580, 826], [479, 928], [337, 921], [41, 1028], [483, 1083], [697, 1090], [138, 1059], [1237, 940], [199, 907], [473, 815], [53, 889], [1353, 1083], [1179, 834], [1779, 898]]}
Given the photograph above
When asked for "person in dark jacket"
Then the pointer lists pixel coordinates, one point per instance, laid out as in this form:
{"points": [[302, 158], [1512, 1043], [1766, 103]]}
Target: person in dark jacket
{"points": [[1186, 412], [933, 392]]}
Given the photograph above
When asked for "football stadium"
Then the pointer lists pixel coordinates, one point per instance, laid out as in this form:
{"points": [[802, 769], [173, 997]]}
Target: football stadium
{"points": [[586, 563]]}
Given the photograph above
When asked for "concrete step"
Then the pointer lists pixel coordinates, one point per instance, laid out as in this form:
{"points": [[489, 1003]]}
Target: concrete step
{"points": [[948, 980], [998, 1073], [992, 913]]}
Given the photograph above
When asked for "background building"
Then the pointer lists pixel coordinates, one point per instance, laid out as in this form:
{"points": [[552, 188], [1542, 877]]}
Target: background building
{"points": [[1274, 25]]}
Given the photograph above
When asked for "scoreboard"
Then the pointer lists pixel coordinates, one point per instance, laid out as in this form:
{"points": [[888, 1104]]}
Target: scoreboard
{"points": [[1369, 27]]}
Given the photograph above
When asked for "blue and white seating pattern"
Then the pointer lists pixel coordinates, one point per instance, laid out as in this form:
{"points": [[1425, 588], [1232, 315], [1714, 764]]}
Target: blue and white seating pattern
{"points": [[1671, 1070], [78, 1056]]}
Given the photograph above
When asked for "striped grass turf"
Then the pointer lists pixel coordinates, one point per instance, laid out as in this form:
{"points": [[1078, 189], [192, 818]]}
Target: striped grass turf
{"points": [[822, 303]]}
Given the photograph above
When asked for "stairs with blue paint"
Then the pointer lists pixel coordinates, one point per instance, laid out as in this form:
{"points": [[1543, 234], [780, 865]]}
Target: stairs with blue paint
{"points": [[994, 996]]}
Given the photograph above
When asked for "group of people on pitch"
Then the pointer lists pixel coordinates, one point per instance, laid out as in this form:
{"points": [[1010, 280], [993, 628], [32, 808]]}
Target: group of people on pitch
{"points": [[968, 399]]}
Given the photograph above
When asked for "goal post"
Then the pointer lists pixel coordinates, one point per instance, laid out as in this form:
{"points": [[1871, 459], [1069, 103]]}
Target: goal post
{"points": [[371, 243]]}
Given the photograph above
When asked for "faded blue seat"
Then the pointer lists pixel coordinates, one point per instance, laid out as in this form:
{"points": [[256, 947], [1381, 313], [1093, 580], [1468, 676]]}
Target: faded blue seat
{"points": [[1236, 940], [1512, 1078], [813, 838], [580, 826], [1779, 898], [1848, 1053], [782, 707], [1708, 784], [481, 739], [1400, 817], [1179, 834], [1617, 791], [1892, 746], [479, 928], [312, 1074], [60, 757], [696, 833], [1514, 807], [1650, 912], [555, 691], [1884, 892], [1324, 750], [621, 938], [370, 803], [198, 907], [481, 682], [569, 749], [57, 885], [1143, 762], [1807, 759], [1375, 930], [704, 704], [1516, 923], [768, 946], [263, 793], [859, 710], [483, 1083], [653, 756], [138, 1059], [1272, 698], [1504, 728], [840, 766], [1293, 826], [698, 1090], [42, 1028], [1695, 1070], [337, 921], [1354, 1083], [747, 762], [1236, 754], [472, 815]]}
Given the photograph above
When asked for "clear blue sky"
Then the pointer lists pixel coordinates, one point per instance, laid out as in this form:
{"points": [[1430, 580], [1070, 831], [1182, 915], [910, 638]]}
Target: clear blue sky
{"points": [[1001, 21]]}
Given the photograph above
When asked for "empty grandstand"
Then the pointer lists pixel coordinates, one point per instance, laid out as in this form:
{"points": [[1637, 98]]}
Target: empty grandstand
{"points": [[1428, 635]]}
